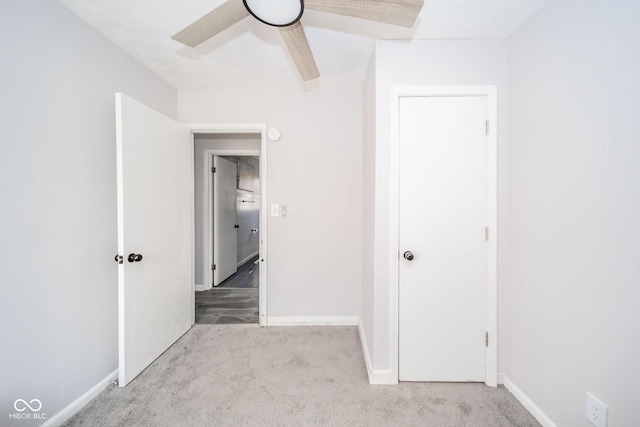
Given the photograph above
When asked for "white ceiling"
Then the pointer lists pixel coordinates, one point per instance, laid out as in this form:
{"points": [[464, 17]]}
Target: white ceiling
{"points": [[252, 54]]}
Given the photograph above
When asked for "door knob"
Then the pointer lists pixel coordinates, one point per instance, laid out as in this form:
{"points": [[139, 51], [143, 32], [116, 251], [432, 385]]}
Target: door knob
{"points": [[134, 258], [408, 255]]}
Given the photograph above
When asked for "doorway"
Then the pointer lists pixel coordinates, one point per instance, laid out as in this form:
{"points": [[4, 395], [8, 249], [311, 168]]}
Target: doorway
{"points": [[444, 164], [230, 226], [234, 238]]}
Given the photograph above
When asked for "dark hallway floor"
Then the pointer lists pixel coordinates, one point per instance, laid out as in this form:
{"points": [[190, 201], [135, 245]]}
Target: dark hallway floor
{"points": [[247, 276], [233, 301]]}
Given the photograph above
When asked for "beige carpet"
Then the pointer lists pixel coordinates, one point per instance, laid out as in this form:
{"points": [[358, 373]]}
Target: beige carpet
{"points": [[218, 375]]}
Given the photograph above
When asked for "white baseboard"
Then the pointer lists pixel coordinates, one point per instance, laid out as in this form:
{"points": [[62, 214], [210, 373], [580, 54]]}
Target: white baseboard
{"points": [[375, 376], [74, 407], [312, 320], [248, 258], [199, 288], [501, 378], [526, 402]]}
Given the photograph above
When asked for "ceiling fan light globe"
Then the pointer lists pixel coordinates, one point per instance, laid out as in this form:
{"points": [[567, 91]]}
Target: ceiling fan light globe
{"points": [[278, 13]]}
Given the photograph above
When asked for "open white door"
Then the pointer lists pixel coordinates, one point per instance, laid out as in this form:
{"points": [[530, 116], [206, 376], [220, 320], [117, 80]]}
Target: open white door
{"points": [[225, 237], [154, 234]]}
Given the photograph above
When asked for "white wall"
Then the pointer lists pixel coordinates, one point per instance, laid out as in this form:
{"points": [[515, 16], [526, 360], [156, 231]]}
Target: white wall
{"points": [[368, 201], [315, 253], [58, 278], [435, 63], [210, 142], [569, 309]]}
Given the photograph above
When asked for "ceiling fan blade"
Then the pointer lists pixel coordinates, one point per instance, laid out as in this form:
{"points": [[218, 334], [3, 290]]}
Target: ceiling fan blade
{"points": [[212, 23], [296, 41], [395, 12]]}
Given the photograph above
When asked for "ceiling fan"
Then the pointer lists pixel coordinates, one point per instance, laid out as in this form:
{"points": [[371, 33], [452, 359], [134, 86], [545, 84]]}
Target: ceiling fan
{"points": [[286, 15]]}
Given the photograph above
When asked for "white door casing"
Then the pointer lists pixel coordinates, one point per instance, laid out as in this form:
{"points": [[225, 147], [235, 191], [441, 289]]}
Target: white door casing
{"points": [[445, 199], [231, 129], [225, 237], [155, 220]]}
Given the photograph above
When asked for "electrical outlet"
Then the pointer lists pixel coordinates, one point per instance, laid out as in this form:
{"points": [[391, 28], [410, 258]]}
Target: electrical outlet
{"points": [[596, 411]]}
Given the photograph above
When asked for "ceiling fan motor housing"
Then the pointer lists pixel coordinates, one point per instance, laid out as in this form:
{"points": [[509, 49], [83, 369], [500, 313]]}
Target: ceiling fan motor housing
{"points": [[277, 13]]}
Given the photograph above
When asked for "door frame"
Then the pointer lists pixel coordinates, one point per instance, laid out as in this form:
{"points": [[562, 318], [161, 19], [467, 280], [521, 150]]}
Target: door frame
{"points": [[397, 92], [227, 129], [208, 198]]}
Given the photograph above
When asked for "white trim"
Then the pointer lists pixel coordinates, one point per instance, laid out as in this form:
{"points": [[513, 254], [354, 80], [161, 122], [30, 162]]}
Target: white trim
{"points": [[260, 129], [378, 377], [501, 378], [492, 263], [207, 227], [74, 407], [313, 320], [234, 128], [240, 263], [263, 310], [526, 401], [491, 364], [365, 350], [199, 288], [192, 193]]}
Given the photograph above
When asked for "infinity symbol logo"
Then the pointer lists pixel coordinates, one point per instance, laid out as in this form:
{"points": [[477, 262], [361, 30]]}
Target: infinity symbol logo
{"points": [[37, 405]]}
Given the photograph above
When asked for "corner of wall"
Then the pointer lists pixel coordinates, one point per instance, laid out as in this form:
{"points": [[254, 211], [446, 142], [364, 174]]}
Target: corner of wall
{"points": [[537, 413], [376, 376]]}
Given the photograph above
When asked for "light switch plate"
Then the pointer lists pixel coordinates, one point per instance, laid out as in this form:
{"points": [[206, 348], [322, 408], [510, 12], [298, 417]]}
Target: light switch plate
{"points": [[275, 210], [283, 210]]}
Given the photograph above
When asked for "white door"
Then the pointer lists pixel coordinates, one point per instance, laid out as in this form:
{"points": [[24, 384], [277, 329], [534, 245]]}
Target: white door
{"points": [[443, 212], [225, 240], [154, 222]]}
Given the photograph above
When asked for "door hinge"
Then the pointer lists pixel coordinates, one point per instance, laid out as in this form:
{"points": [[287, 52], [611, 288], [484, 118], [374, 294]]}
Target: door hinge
{"points": [[213, 267], [486, 234], [486, 127], [213, 169], [486, 339]]}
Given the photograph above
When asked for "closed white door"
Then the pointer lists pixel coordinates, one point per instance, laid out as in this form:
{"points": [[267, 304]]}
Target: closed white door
{"points": [[443, 212], [225, 236], [154, 234]]}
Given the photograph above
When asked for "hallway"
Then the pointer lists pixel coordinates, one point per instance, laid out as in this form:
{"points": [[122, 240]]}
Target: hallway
{"points": [[234, 301]]}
